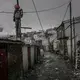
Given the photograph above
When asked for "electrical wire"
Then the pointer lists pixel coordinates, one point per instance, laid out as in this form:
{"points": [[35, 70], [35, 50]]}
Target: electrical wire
{"points": [[66, 11], [65, 15], [6, 12], [37, 15], [49, 9], [40, 10]]}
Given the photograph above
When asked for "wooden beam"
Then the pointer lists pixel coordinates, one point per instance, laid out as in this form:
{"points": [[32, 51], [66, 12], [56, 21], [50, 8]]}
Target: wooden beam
{"points": [[26, 27]]}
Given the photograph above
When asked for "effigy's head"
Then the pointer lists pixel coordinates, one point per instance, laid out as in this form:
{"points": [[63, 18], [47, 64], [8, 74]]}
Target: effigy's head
{"points": [[17, 6]]}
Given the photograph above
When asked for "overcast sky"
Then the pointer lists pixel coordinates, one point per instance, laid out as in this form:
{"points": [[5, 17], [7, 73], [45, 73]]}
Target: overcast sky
{"points": [[48, 18]]}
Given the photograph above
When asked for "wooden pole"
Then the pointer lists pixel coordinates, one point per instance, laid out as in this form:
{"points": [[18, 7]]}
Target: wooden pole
{"points": [[71, 29], [74, 41], [17, 2]]}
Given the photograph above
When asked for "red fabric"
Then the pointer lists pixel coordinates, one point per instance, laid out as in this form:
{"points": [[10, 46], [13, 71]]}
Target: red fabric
{"points": [[17, 6]]}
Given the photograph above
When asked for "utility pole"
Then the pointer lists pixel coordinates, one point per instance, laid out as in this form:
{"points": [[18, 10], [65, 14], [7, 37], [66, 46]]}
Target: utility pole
{"points": [[71, 29], [74, 41], [17, 2], [18, 14]]}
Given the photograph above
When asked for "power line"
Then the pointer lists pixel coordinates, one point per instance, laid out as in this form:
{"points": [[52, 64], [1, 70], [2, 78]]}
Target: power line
{"points": [[65, 15], [64, 18], [38, 11], [38, 15], [66, 11], [48, 9], [6, 12]]}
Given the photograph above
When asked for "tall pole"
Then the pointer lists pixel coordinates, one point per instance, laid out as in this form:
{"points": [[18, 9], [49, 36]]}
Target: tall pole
{"points": [[17, 2], [71, 28], [74, 41]]}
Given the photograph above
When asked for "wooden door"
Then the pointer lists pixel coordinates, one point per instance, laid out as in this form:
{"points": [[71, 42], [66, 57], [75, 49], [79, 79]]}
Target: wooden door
{"points": [[3, 65]]}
